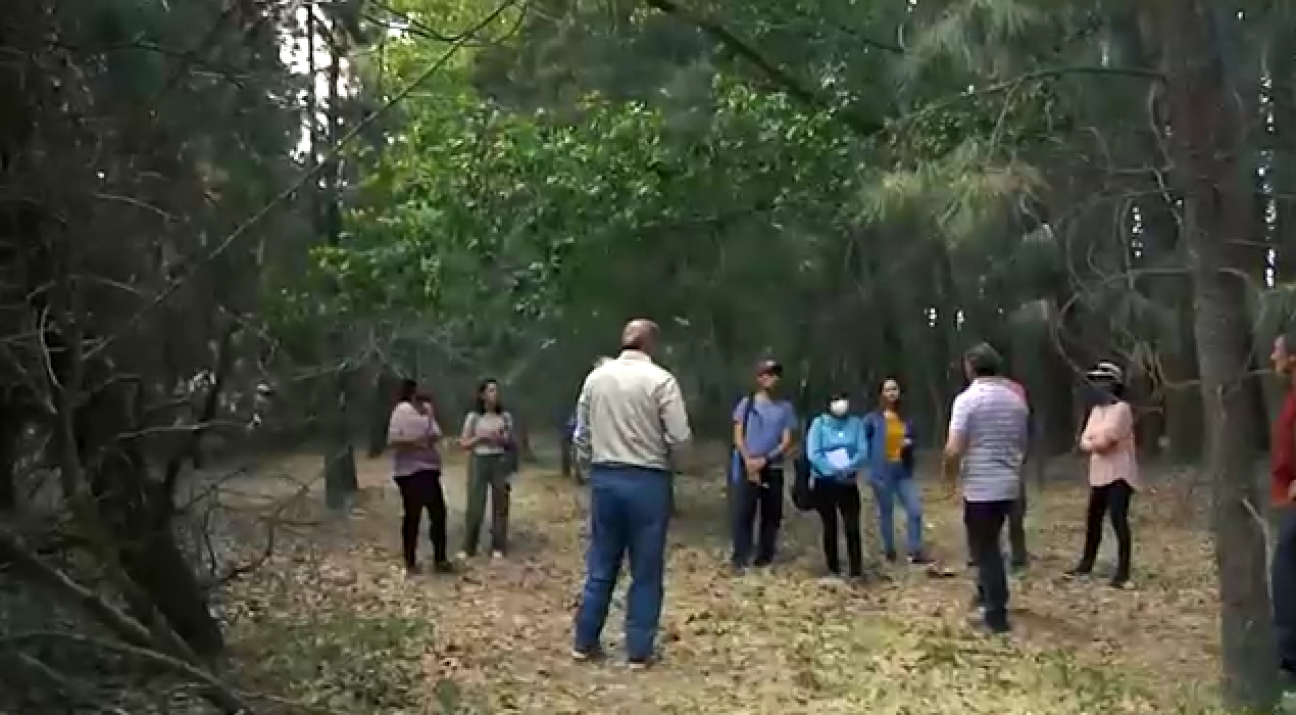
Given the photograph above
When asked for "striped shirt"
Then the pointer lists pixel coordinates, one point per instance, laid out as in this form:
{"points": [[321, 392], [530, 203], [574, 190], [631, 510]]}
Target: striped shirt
{"points": [[994, 420], [631, 413]]}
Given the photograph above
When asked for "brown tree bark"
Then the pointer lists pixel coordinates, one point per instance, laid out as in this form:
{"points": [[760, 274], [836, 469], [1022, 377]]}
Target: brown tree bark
{"points": [[1207, 139]]}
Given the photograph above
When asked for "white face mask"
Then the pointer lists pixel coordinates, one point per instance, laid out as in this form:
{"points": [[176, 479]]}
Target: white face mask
{"points": [[838, 407]]}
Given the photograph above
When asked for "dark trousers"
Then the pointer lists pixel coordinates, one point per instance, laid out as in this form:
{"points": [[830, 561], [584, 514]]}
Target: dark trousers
{"points": [[1113, 499], [488, 477], [763, 500], [566, 462], [629, 515], [834, 500], [421, 491], [1283, 580], [985, 523], [1016, 533]]}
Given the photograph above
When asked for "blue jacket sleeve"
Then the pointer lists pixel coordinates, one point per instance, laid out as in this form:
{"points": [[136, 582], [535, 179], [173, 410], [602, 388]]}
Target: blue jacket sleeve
{"points": [[861, 448], [815, 448]]}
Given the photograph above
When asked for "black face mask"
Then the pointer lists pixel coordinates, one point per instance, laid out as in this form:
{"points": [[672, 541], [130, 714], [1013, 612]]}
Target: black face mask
{"points": [[1098, 393]]}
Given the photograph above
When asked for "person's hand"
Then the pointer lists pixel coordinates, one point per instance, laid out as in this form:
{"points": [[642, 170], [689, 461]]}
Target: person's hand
{"points": [[755, 464], [1291, 492]]}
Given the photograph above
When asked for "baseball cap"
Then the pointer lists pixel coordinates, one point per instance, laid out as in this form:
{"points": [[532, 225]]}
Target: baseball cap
{"points": [[1106, 370], [769, 367]]}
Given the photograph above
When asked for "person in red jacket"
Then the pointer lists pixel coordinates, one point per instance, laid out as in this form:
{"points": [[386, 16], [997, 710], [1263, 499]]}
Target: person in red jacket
{"points": [[1283, 494]]}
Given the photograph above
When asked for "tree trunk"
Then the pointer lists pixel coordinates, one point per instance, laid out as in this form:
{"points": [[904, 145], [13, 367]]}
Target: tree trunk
{"points": [[340, 480], [1206, 139], [133, 509]]}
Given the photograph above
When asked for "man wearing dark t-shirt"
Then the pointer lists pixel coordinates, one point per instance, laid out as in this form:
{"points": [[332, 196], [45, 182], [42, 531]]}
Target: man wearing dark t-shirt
{"points": [[1283, 497]]}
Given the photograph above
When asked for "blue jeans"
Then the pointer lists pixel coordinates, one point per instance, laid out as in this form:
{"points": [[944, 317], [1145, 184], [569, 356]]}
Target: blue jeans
{"points": [[629, 513], [890, 485]]}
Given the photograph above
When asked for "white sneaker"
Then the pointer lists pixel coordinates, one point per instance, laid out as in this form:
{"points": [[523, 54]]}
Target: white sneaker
{"points": [[497, 555], [461, 557]]}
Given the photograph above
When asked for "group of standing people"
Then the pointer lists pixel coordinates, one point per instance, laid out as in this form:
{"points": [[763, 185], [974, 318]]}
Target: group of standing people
{"points": [[839, 448], [488, 437], [631, 427]]}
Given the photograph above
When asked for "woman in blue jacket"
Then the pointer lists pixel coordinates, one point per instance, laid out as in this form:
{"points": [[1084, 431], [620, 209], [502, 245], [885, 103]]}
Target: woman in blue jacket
{"points": [[838, 451], [891, 472]]}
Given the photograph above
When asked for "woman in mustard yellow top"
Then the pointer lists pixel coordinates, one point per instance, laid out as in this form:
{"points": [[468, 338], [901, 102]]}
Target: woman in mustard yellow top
{"points": [[891, 440]]}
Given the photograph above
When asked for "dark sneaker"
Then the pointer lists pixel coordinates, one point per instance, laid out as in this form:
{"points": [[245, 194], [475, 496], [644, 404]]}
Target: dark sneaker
{"points": [[640, 663], [892, 557], [1078, 572], [412, 570], [763, 563], [444, 567], [921, 559], [996, 627]]}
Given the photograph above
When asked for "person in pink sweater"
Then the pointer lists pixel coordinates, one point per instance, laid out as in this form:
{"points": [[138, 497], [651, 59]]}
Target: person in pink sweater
{"points": [[1108, 439]]}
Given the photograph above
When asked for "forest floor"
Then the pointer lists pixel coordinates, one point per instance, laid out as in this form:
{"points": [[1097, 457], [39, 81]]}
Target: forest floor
{"points": [[331, 619]]}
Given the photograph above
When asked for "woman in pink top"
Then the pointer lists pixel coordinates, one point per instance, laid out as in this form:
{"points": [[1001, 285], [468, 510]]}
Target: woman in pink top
{"points": [[1108, 438], [412, 434]]}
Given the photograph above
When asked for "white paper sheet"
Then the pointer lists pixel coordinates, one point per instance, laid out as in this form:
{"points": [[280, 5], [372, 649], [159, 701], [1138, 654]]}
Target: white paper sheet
{"points": [[838, 458]]}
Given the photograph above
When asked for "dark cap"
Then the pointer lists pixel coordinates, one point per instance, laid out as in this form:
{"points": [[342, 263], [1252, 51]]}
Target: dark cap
{"points": [[984, 360], [769, 367]]}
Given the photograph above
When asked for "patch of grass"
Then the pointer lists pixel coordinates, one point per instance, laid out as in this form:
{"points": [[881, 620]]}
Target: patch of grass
{"points": [[339, 661]]}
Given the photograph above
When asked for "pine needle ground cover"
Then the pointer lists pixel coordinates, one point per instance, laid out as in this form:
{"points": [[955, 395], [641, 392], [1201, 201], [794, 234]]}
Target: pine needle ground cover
{"points": [[331, 620]]}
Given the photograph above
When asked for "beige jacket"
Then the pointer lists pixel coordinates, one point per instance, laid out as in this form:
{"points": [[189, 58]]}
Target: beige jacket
{"points": [[631, 412]]}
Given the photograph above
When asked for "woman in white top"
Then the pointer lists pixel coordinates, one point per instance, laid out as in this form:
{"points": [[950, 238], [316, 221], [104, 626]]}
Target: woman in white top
{"points": [[488, 438]]}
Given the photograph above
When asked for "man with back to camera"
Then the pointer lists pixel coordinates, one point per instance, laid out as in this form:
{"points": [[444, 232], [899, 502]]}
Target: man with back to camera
{"points": [[986, 447], [1282, 492], [631, 427]]}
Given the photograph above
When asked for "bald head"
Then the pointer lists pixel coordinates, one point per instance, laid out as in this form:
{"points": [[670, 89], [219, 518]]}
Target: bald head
{"points": [[640, 334]]}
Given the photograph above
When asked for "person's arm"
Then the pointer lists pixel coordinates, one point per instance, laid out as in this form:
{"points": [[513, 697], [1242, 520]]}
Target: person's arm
{"points": [[788, 438], [675, 423], [956, 441], [1120, 427], [815, 448], [1089, 434], [740, 429], [581, 433], [861, 448], [509, 438], [468, 435]]}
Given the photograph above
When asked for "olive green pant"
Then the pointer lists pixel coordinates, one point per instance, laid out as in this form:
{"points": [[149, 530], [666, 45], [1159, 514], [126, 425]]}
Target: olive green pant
{"points": [[488, 475]]}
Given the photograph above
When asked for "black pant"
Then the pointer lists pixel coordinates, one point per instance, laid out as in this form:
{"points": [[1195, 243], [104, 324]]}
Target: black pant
{"points": [[766, 500], [420, 491], [840, 498], [1283, 580], [985, 522], [1111, 499], [566, 463], [1016, 532], [1017, 528]]}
